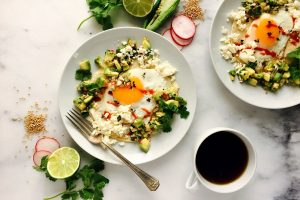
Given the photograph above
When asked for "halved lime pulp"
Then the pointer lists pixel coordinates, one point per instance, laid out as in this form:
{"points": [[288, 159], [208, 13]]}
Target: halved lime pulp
{"points": [[138, 8], [63, 162]]}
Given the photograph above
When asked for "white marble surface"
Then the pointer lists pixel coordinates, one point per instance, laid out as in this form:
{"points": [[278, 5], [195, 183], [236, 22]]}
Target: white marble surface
{"points": [[36, 39]]}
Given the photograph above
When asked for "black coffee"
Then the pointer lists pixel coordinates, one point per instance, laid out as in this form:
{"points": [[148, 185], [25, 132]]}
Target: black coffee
{"points": [[222, 158]]}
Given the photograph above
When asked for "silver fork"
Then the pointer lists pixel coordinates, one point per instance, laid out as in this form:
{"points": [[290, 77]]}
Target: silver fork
{"points": [[86, 128]]}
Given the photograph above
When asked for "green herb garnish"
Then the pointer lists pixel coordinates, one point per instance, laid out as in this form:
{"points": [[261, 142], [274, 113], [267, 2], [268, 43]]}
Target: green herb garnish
{"points": [[93, 182], [100, 10]]}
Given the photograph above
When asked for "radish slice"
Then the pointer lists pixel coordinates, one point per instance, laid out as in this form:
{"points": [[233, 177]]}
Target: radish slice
{"points": [[38, 155], [183, 27], [180, 41], [47, 144], [167, 35]]}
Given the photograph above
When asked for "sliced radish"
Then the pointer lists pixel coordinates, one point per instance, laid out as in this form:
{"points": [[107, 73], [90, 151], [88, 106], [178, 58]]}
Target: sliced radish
{"points": [[167, 35], [183, 27], [47, 144], [38, 155], [180, 41]]}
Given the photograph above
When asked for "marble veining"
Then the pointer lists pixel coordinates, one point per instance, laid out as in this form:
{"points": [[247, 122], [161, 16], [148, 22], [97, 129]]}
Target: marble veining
{"points": [[36, 40]]}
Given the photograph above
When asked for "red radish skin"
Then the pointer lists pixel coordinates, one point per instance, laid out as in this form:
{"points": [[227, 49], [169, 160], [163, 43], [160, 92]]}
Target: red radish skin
{"points": [[167, 35], [183, 27], [180, 41], [38, 155], [47, 144]]}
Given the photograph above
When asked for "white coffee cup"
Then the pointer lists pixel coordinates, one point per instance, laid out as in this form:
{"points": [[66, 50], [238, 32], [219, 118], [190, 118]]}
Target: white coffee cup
{"points": [[195, 177]]}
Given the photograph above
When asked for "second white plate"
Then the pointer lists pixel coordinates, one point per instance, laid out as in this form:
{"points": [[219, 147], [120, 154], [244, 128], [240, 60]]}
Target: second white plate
{"points": [[285, 97]]}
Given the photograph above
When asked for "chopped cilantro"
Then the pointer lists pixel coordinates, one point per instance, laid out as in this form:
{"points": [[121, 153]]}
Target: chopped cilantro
{"points": [[93, 182], [100, 10]]}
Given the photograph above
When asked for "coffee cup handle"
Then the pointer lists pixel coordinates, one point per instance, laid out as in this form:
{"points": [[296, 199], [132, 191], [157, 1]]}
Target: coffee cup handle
{"points": [[192, 182]]}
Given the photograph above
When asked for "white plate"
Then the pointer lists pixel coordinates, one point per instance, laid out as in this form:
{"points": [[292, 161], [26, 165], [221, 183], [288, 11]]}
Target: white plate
{"points": [[285, 97], [160, 144]]}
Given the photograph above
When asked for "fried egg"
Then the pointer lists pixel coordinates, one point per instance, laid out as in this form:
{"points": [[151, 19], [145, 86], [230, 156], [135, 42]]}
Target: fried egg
{"points": [[139, 93], [270, 32]]}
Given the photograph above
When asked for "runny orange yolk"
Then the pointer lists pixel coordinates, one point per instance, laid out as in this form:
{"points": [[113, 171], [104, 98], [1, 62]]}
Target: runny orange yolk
{"points": [[127, 95], [267, 32]]}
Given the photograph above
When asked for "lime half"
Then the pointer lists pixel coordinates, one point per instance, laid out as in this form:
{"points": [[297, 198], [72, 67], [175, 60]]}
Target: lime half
{"points": [[63, 163], [138, 8]]}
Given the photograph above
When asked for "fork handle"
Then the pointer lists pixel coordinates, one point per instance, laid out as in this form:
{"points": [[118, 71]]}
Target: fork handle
{"points": [[151, 182]]}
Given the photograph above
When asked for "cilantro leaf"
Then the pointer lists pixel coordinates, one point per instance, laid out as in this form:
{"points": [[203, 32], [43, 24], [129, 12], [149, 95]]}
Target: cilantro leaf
{"points": [[43, 168], [93, 182], [97, 165], [100, 10], [294, 54], [83, 75]]}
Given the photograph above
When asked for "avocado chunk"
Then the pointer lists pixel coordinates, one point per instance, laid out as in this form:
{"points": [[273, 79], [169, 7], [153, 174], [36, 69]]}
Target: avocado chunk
{"points": [[109, 56], [146, 43], [108, 72], [138, 123], [252, 81], [87, 99], [118, 66], [98, 61], [174, 102], [79, 103], [85, 65], [144, 145], [164, 11]]}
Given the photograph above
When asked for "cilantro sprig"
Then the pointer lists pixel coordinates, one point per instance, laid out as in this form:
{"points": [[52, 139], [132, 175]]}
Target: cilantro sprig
{"points": [[100, 10], [92, 181]]}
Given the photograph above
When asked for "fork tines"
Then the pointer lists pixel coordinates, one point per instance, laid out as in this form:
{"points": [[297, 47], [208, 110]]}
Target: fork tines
{"points": [[79, 122]]}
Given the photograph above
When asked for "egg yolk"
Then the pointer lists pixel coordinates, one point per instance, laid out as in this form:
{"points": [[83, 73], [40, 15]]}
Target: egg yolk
{"points": [[267, 33], [129, 94]]}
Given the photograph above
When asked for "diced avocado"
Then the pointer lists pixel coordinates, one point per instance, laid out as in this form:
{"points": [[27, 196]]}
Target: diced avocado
{"points": [[282, 82], [117, 64], [124, 65], [275, 86], [79, 103], [174, 102], [84, 85], [250, 70], [98, 61], [286, 75], [144, 145], [109, 56], [157, 95], [160, 114], [245, 74], [85, 65], [297, 82], [131, 42], [146, 43], [259, 76], [284, 66], [232, 72], [277, 77], [108, 72], [87, 99], [231, 77], [269, 67], [138, 123], [267, 77], [252, 81]]}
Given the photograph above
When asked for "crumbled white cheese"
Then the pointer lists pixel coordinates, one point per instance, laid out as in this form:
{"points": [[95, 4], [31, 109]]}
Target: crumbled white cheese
{"points": [[124, 43], [120, 55], [165, 69], [247, 55], [239, 18], [224, 30]]}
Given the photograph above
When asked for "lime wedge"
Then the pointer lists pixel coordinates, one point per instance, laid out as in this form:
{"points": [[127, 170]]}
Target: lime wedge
{"points": [[138, 8], [63, 163]]}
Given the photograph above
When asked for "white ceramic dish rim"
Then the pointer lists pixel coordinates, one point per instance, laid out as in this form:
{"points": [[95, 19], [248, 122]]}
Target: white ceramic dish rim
{"points": [[192, 112]]}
